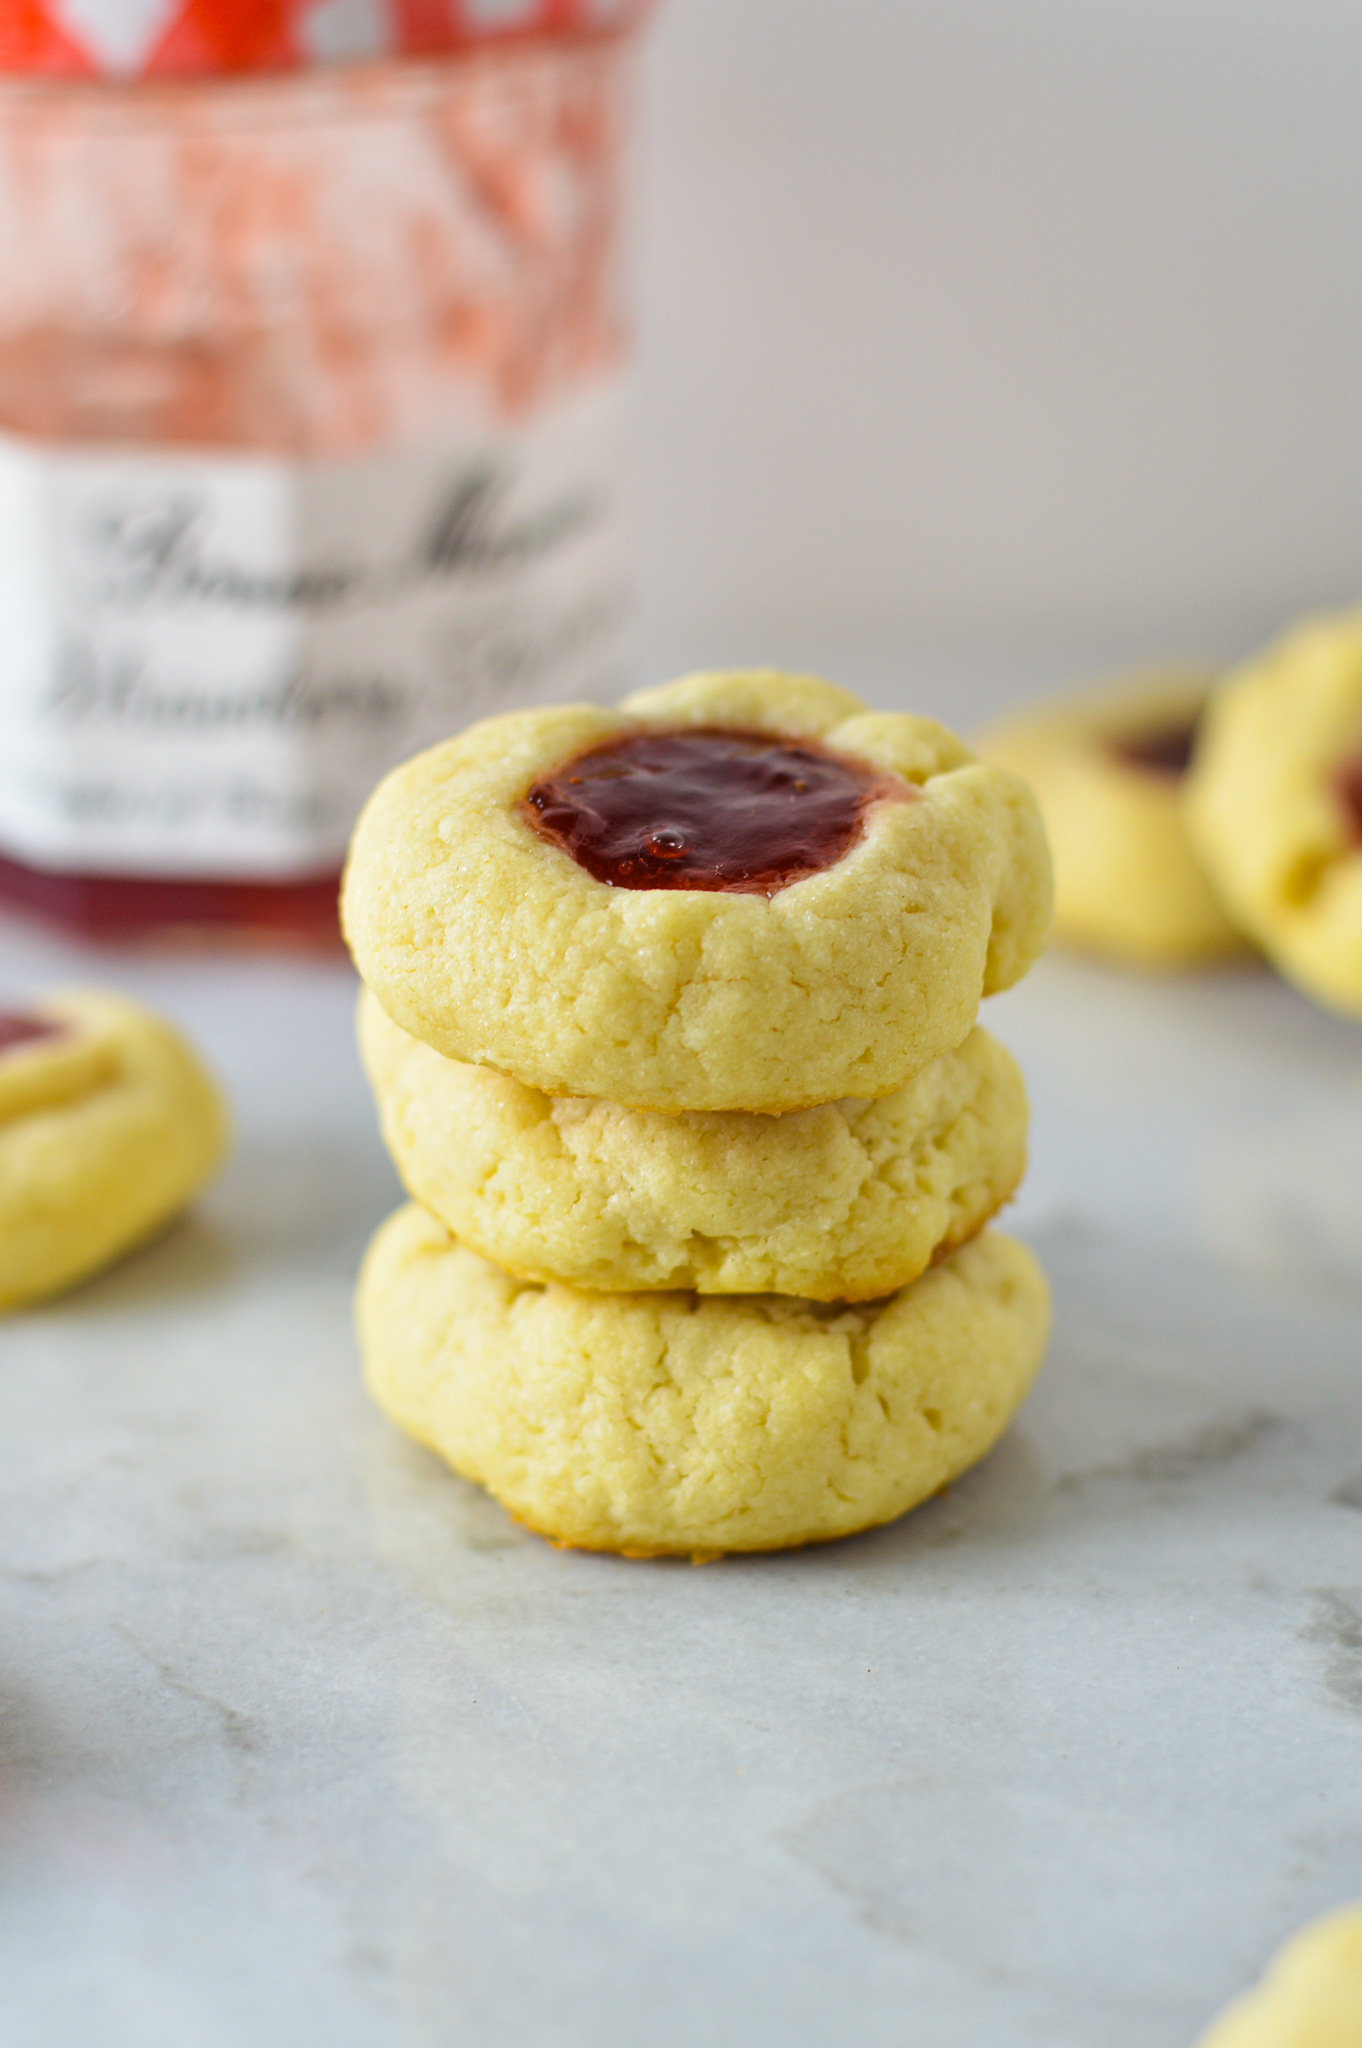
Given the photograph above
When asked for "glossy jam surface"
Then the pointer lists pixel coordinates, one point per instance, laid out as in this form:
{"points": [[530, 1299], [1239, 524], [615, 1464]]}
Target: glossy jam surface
{"points": [[1158, 749], [16, 1029], [1348, 790], [707, 807]]}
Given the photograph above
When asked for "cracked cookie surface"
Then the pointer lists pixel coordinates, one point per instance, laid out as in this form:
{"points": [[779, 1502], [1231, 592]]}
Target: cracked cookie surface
{"points": [[109, 1124], [678, 1423], [496, 948], [848, 1201], [1275, 805]]}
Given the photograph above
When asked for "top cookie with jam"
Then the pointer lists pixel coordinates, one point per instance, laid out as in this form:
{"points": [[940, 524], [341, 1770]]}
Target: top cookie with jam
{"points": [[740, 891]]}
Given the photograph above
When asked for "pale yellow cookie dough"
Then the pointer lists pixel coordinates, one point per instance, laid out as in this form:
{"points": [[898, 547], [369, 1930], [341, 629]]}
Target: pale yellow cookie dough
{"points": [[104, 1134], [497, 948], [849, 1201], [1266, 816], [654, 1423], [1127, 881], [1311, 1996]]}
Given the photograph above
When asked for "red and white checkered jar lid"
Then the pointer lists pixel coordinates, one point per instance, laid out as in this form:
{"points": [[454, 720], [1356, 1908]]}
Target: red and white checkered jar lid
{"points": [[126, 39]]}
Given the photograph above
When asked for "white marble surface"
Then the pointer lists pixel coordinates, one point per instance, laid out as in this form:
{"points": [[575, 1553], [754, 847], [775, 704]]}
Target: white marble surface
{"points": [[302, 1742]]}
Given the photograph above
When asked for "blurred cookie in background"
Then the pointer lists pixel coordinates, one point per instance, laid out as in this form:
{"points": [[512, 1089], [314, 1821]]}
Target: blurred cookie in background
{"points": [[1310, 1997], [1109, 767], [109, 1124], [1274, 805]]}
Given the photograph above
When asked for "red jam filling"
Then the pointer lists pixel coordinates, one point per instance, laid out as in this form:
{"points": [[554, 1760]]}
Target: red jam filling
{"points": [[1348, 790], [707, 807], [1158, 749], [17, 1029]]}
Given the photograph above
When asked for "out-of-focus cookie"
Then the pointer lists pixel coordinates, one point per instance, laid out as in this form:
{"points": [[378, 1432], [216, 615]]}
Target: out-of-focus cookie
{"points": [[108, 1125], [1311, 1996], [1108, 768], [1274, 804], [740, 891], [846, 1202], [657, 1423]]}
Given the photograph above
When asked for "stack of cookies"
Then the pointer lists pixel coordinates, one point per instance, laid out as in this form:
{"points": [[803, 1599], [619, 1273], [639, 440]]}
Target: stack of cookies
{"points": [[670, 1014]]}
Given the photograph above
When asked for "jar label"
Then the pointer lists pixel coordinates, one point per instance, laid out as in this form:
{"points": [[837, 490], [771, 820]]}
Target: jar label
{"points": [[207, 661]]}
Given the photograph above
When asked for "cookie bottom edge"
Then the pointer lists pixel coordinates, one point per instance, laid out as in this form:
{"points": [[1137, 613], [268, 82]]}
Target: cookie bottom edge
{"points": [[697, 1426]]}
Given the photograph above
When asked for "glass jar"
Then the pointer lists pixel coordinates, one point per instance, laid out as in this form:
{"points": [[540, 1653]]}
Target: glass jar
{"points": [[311, 397]]}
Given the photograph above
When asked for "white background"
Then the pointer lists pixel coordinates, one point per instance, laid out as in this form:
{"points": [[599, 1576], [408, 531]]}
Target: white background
{"points": [[1011, 324]]}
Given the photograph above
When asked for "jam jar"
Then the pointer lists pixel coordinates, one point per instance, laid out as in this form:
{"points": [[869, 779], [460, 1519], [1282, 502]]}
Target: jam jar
{"points": [[313, 372]]}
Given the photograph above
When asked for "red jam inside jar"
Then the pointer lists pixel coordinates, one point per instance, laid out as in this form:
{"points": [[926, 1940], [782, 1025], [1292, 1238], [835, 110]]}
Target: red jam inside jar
{"points": [[17, 1029], [131, 907], [707, 807], [1348, 790], [1158, 749]]}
